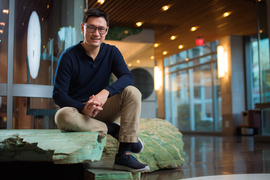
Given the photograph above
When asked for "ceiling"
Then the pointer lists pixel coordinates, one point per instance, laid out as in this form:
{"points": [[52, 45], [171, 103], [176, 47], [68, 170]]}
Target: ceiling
{"points": [[207, 15]]}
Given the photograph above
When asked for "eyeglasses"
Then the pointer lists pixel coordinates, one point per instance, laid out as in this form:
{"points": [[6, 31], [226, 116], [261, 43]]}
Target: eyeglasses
{"points": [[92, 29]]}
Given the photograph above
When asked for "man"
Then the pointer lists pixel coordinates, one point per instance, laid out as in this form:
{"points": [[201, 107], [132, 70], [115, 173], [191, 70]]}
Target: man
{"points": [[88, 103]]}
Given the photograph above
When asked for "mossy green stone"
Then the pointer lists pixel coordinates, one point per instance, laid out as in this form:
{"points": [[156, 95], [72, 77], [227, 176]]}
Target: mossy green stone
{"points": [[163, 145]]}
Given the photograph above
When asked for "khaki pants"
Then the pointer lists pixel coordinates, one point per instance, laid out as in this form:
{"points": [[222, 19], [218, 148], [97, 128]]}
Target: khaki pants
{"points": [[126, 104]]}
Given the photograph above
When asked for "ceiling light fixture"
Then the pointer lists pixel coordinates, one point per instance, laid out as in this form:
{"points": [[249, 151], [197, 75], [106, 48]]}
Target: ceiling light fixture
{"points": [[165, 8], [180, 47], [138, 61], [156, 45], [129, 64], [165, 52], [173, 37], [101, 1], [138, 24], [194, 28], [152, 57], [226, 14], [5, 11]]}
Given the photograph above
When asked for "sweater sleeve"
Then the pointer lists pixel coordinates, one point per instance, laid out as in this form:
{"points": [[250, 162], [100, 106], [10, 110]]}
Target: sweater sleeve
{"points": [[61, 84], [121, 71]]}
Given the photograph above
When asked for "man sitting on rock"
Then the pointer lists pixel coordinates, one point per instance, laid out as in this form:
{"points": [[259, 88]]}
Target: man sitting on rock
{"points": [[88, 103]]}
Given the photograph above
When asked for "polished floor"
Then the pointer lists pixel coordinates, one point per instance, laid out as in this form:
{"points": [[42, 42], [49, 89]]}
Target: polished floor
{"points": [[220, 157]]}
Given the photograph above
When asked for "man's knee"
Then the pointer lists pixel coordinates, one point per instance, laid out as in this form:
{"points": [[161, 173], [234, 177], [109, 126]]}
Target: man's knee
{"points": [[132, 92], [63, 115]]}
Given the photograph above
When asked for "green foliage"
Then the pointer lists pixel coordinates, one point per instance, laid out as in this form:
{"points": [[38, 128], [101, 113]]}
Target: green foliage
{"points": [[119, 33]]}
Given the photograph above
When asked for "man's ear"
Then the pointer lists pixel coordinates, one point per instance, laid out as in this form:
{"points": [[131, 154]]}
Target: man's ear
{"points": [[82, 27]]}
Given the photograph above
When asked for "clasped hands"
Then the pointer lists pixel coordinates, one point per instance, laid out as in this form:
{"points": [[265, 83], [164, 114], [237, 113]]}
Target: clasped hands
{"points": [[95, 103]]}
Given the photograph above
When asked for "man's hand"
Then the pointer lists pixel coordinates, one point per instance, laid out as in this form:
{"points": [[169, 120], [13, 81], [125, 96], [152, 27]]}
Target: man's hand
{"points": [[92, 107], [101, 97]]}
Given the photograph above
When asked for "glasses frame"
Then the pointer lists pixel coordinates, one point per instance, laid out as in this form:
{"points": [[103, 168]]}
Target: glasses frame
{"points": [[96, 28]]}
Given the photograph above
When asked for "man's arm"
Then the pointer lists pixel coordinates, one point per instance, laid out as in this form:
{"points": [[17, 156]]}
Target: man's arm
{"points": [[62, 80], [121, 71]]}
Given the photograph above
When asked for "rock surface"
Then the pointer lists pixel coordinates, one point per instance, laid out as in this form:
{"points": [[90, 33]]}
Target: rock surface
{"points": [[50, 146], [163, 145]]}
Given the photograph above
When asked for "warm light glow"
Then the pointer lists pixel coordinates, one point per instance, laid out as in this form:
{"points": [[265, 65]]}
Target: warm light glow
{"points": [[126, 32], [187, 59], [180, 47], [173, 37], [101, 1], [129, 64], [22, 24], [261, 31], [2, 23], [194, 28], [222, 61], [165, 8], [48, 6], [165, 52], [138, 61], [226, 14], [1, 31], [156, 45], [152, 57], [158, 78], [5, 11], [138, 24]]}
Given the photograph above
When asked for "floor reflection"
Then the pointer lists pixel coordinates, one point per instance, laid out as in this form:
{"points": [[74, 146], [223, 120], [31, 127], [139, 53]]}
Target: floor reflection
{"points": [[218, 155]]}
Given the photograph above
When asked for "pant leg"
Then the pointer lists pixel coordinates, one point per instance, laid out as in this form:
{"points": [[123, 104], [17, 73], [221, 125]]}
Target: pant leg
{"points": [[128, 105], [70, 119]]}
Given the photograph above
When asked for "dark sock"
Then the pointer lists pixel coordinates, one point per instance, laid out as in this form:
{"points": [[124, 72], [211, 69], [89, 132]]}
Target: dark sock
{"points": [[113, 129], [123, 147]]}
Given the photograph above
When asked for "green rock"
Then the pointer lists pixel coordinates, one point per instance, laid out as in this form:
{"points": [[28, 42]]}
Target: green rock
{"points": [[163, 145], [50, 146], [109, 174]]}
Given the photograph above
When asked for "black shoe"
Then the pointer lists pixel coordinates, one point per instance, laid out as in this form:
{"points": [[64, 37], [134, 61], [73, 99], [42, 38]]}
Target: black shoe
{"points": [[127, 162], [136, 147]]}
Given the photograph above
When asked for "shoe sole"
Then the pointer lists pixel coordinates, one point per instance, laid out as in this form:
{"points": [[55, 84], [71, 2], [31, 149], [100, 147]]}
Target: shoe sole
{"points": [[138, 139], [125, 168]]}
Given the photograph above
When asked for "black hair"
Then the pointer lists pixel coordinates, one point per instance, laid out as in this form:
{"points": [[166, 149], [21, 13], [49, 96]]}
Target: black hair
{"points": [[96, 12]]}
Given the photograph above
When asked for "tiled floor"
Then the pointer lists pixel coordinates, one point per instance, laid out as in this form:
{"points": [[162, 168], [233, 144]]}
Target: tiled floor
{"points": [[220, 155]]}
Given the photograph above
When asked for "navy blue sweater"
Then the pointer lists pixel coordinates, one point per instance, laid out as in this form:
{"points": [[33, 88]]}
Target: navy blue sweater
{"points": [[78, 77]]}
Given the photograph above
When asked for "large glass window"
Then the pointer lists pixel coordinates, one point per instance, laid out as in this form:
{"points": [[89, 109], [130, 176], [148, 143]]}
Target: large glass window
{"points": [[4, 6], [192, 89], [43, 30]]}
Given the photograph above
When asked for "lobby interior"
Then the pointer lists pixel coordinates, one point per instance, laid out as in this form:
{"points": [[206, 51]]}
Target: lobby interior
{"points": [[173, 48]]}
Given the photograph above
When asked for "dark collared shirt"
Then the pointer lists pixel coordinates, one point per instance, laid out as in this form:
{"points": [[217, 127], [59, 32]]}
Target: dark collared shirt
{"points": [[78, 77]]}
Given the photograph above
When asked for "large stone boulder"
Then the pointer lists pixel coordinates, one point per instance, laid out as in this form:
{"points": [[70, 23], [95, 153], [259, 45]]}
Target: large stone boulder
{"points": [[163, 145]]}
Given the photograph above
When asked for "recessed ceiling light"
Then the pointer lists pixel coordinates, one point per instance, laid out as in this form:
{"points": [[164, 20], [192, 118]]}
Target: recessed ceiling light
{"points": [[226, 14], [194, 28], [5, 11], [138, 24], [100, 1], [180, 46], [173, 37], [138, 61], [165, 8], [156, 45], [152, 57], [129, 64], [165, 52]]}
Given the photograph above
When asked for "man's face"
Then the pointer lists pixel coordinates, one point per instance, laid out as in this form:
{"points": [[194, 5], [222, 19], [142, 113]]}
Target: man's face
{"points": [[95, 31]]}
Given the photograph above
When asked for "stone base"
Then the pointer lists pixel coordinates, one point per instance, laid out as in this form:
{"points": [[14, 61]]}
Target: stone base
{"points": [[48, 145]]}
